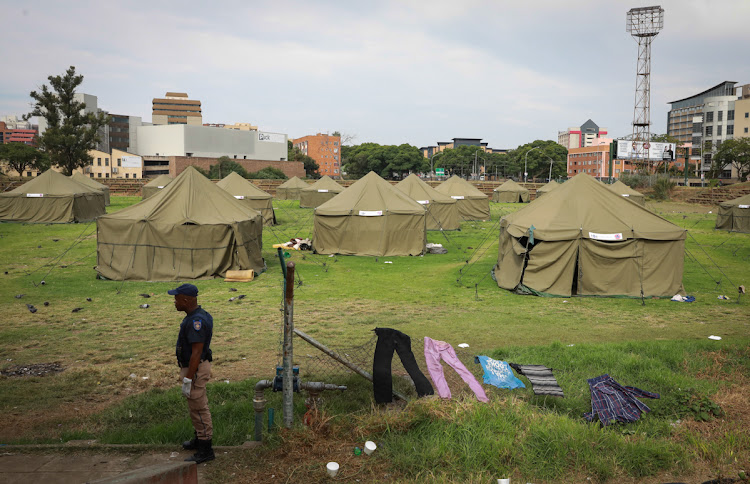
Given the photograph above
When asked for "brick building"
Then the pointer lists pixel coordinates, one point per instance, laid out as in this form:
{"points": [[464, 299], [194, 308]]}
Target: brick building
{"points": [[325, 149]]}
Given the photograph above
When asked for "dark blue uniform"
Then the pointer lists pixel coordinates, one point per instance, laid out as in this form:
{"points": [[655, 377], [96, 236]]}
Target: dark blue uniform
{"points": [[196, 327]]}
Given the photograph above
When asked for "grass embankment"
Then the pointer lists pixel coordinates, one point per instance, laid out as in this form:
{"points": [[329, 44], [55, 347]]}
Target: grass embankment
{"points": [[119, 378]]}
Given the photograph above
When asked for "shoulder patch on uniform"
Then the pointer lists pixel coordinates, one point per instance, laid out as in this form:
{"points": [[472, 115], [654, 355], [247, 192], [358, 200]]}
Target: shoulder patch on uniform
{"points": [[197, 325]]}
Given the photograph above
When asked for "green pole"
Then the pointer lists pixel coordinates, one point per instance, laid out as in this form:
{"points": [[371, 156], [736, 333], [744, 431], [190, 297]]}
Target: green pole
{"points": [[687, 164], [612, 153]]}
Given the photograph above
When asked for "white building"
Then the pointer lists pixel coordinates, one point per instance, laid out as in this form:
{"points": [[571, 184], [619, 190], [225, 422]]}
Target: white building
{"points": [[209, 142]]}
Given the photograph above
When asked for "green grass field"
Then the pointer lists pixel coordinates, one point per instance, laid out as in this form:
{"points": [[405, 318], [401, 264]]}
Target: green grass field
{"points": [[119, 378]]}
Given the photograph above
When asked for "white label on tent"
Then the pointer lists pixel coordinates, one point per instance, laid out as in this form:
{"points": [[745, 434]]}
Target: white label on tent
{"points": [[744, 206], [423, 202], [371, 213], [596, 236], [625, 194], [161, 186], [457, 197], [322, 190], [35, 195], [239, 197]]}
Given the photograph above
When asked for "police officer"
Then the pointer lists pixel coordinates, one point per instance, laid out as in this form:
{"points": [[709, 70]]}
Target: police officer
{"points": [[194, 359]]}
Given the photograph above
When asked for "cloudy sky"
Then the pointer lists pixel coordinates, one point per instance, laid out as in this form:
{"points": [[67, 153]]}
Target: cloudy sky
{"points": [[390, 72]]}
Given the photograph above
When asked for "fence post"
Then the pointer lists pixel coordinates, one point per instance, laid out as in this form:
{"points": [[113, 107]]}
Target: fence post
{"points": [[288, 383]]}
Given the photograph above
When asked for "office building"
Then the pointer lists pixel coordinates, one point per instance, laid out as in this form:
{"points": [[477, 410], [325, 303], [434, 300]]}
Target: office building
{"points": [[176, 108], [170, 149], [581, 136]]}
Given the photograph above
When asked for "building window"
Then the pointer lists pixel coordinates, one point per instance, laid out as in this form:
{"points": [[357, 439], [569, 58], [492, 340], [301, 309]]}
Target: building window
{"points": [[98, 162], [709, 130], [709, 116], [718, 130], [119, 161], [106, 175], [91, 175], [746, 115], [746, 130], [730, 115], [721, 116], [28, 173], [106, 161], [98, 175], [127, 175]]}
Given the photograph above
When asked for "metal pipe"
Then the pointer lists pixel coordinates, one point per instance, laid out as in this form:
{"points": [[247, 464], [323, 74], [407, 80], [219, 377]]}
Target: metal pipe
{"points": [[259, 404], [341, 359]]}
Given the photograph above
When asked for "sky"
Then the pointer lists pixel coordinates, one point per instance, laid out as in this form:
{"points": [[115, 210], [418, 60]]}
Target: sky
{"points": [[389, 72]]}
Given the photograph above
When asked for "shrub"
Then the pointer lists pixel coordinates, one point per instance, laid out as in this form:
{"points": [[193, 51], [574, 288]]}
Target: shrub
{"points": [[663, 188]]}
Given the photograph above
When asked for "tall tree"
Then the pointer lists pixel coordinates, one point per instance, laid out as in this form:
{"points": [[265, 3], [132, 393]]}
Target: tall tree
{"points": [[735, 152], [385, 160], [71, 132], [536, 158], [20, 156]]}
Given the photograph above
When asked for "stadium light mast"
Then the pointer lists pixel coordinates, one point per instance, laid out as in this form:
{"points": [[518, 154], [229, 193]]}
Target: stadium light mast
{"points": [[643, 24]]}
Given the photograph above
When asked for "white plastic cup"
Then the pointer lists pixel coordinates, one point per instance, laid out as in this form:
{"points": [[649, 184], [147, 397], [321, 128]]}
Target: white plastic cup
{"points": [[370, 447], [503, 481], [332, 468]]}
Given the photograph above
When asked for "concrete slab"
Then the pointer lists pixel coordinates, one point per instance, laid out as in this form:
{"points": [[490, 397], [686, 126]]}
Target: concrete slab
{"points": [[20, 463]]}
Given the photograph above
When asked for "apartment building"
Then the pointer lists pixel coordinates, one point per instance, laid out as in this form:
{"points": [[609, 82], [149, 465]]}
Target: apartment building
{"points": [[325, 149], [581, 136], [430, 151], [118, 164], [176, 108]]}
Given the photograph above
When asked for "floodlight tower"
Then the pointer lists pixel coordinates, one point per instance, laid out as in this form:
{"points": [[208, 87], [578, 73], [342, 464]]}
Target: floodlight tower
{"points": [[643, 24]]}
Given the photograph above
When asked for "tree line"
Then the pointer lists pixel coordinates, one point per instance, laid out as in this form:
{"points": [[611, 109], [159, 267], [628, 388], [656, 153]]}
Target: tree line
{"points": [[71, 133]]}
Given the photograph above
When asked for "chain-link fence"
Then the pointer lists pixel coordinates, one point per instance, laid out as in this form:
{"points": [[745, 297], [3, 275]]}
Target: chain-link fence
{"points": [[315, 365]]}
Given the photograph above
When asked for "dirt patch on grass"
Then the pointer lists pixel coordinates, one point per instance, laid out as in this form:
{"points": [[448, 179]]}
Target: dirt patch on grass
{"points": [[37, 369]]}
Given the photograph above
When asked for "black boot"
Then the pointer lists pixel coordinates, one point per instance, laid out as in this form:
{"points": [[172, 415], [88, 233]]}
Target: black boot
{"points": [[205, 452], [191, 444]]}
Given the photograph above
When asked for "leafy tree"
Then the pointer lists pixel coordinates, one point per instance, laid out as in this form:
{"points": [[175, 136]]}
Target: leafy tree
{"points": [[71, 132], [385, 160], [269, 173], [311, 166], [20, 156], [224, 167], [537, 156], [735, 152]]}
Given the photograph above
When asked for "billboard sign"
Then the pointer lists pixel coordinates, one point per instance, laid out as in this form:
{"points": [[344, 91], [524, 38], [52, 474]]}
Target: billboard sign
{"points": [[635, 150], [131, 161]]}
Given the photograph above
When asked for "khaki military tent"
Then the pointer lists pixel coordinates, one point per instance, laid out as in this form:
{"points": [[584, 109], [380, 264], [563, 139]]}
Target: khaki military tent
{"points": [[242, 189], [472, 204], [442, 210], [319, 192], [191, 229], [51, 198], [370, 218], [583, 239], [91, 183], [155, 186], [289, 190], [510, 192], [626, 192], [734, 215], [546, 188]]}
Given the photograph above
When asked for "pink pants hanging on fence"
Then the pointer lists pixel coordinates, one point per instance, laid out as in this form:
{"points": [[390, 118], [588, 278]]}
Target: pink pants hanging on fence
{"points": [[435, 350]]}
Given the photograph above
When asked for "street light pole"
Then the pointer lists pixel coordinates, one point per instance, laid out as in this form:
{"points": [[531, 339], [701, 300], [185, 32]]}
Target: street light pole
{"points": [[525, 165]]}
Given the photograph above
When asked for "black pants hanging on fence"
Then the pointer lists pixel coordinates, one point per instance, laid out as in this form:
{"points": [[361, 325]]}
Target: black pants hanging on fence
{"points": [[382, 383]]}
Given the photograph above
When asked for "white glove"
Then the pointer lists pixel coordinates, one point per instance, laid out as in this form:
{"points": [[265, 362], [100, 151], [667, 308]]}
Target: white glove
{"points": [[187, 385]]}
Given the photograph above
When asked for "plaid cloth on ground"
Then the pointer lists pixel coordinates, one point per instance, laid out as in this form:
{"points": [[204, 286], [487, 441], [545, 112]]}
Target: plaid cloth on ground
{"points": [[541, 378], [612, 401]]}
